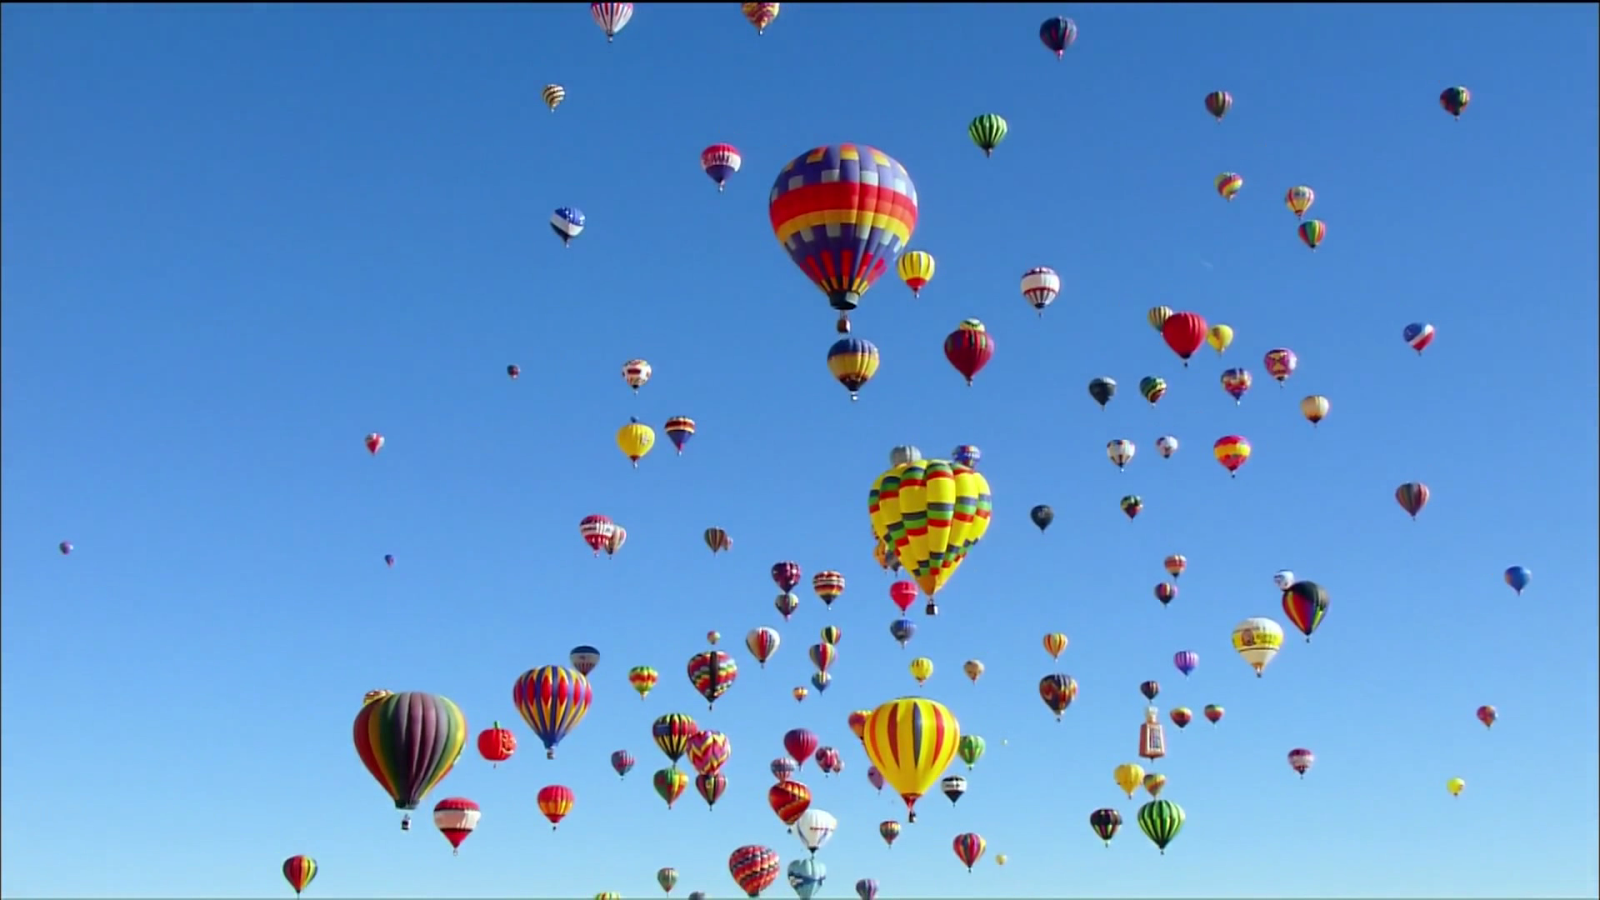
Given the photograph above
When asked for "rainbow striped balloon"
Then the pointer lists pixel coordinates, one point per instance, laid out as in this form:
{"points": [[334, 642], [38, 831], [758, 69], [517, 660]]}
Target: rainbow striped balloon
{"points": [[409, 742]]}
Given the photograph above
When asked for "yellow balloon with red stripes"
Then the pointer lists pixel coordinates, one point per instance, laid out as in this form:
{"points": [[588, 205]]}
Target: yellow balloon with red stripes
{"points": [[911, 741]]}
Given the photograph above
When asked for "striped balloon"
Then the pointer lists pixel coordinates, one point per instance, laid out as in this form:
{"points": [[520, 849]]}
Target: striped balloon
{"points": [[754, 868], [760, 14], [672, 732], [1412, 497], [853, 362], [1305, 603], [911, 741], [987, 131], [709, 751], [969, 848], [844, 213], [299, 872], [409, 742], [932, 512], [553, 94], [829, 585], [712, 672], [611, 17], [552, 700], [1161, 820]]}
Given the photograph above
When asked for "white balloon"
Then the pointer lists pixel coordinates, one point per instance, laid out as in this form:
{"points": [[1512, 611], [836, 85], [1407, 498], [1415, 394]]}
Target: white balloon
{"points": [[815, 828]]}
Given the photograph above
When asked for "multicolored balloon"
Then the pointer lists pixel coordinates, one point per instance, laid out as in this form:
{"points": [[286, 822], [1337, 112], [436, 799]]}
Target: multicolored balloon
{"points": [[1518, 578], [1040, 287], [754, 868], [969, 348], [409, 742], [1057, 34], [853, 362], [721, 161], [1412, 497], [760, 15], [1312, 232], [1131, 505], [568, 221], [1236, 383], [1218, 103], [1058, 691], [1454, 100], [1257, 640], [1161, 820], [1419, 335], [552, 701], [1105, 823], [911, 741], [611, 17], [299, 872], [456, 818], [1301, 760], [969, 848], [643, 680], [1299, 199], [555, 801], [552, 95], [1229, 184], [1280, 363], [1305, 603], [916, 270], [1232, 451]]}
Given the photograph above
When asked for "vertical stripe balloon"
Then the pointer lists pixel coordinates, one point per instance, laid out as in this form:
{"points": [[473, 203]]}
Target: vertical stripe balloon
{"points": [[552, 700], [409, 742], [911, 741]]}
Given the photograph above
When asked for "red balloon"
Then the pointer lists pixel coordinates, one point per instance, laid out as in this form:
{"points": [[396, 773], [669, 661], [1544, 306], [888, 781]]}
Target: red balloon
{"points": [[1184, 332], [754, 868], [497, 744], [969, 350], [903, 593], [800, 743]]}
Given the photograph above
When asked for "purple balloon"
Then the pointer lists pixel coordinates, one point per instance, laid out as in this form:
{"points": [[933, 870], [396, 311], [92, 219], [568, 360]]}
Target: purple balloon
{"points": [[1186, 661], [876, 777]]}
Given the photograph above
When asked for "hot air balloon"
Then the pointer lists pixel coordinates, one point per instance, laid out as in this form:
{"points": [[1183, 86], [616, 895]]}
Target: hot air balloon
{"points": [[1176, 564], [786, 575], [1283, 578], [514, 372], [969, 348], [970, 749], [670, 783], [889, 829], [378, 694], [1315, 408], [1058, 33], [1220, 337], [831, 635], [789, 800], [668, 878], [596, 531], [973, 669], [902, 630], [1186, 661], [636, 373], [1152, 389], [843, 213], [584, 658], [1128, 776], [1184, 332], [800, 693], [1229, 184], [374, 442], [800, 743], [622, 763], [388, 558], [1166, 445], [1214, 713], [829, 586], [643, 679], [969, 848], [853, 362], [1158, 316], [1040, 286], [555, 801], [987, 131], [718, 540], [456, 818], [822, 656], [1455, 786], [1105, 823], [709, 751], [299, 872], [712, 672], [1058, 691], [1102, 390], [619, 536], [820, 681], [922, 670], [553, 94], [754, 868], [1312, 233], [902, 594], [611, 17], [497, 744], [679, 430], [1518, 578], [760, 15], [711, 787], [552, 700], [1161, 820], [1412, 497], [1153, 783], [1301, 760], [1236, 383], [1488, 715], [1281, 363], [1419, 335], [66, 546], [1120, 452], [933, 512], [1055, 644], [916, 270], [1042, 516], [1231, 451], [904, 453], [806, 876], [912, 741], [783, 767], [1150, 690], [1166, 592], [1305, 603], [966, 455], [762, 643], [635, 440], [867, 889], [671, 733], [721, 161], [1454, 100], [1218, 103], [1299, 199], [1181, 716], [567, 222], [1258, 641], [815, 828], [1131, 506], [409, 742]]}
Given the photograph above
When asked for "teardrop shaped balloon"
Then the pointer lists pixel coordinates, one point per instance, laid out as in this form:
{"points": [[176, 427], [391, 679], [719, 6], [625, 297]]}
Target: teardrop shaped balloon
{"points": [[932, 512]]}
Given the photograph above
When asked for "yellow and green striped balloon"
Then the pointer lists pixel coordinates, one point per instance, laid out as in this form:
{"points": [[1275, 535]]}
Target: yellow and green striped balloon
{"points": [[1161, 820], [987, 131]]}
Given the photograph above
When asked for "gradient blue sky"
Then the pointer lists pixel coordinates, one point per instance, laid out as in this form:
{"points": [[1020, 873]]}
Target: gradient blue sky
{"points": [[238, 238]]}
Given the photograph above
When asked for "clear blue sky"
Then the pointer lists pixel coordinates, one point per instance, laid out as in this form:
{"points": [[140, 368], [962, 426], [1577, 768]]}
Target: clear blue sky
{"points": [[236, 239]]}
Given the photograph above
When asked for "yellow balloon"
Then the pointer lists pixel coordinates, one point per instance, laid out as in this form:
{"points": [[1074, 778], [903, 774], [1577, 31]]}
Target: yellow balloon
{"points": [[931, 512], [1455, 786], [1158, 316], [916, 270], [911, 741], [1258, 640], [922, 669], [1220, 337], [1129, 777], [635, 440], [1000, 860]]}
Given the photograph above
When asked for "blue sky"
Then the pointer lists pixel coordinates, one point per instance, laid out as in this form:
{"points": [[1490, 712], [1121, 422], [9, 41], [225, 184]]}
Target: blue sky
{"points": [[236, 239]]}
